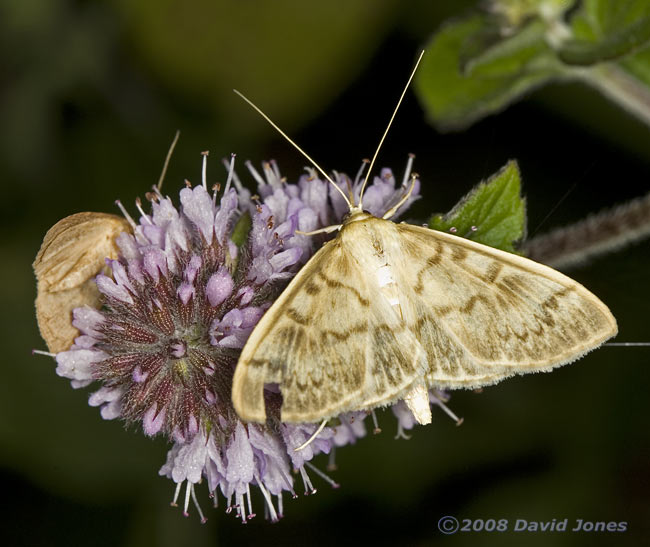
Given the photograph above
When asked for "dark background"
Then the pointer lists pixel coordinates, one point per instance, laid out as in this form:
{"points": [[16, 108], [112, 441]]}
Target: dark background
{"points": [[91, 94]]}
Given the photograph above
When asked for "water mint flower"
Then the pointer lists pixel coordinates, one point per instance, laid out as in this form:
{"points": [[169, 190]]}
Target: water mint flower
{"points": [[180, 302]]}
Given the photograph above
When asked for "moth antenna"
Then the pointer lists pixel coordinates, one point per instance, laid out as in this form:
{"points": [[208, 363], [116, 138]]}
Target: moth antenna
{"points": [[167, 158], [390, 122], [327, 177], [628, 344], [311, 439]]}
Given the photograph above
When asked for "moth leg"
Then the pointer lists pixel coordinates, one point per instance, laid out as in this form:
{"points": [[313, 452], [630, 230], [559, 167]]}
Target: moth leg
{"points": [[326, 230], [311, 439], [401, 202]]}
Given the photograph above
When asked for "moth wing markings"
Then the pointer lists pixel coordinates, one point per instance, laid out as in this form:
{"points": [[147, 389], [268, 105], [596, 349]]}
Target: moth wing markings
{"points": [[483, 314], [329, 343]]}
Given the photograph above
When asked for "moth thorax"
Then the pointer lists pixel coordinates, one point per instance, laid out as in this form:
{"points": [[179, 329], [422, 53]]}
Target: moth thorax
{"points": [[356, 215]]}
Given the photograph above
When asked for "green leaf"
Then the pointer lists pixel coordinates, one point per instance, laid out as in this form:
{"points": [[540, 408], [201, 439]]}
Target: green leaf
{"points": [[612, 47], [639, 66], [493, 55], [606, 30], [454, 100], [241, 229], [493, 213]]}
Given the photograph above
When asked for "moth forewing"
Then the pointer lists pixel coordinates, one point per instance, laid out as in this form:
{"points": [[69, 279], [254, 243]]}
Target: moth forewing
{"points": [[331, 341]]}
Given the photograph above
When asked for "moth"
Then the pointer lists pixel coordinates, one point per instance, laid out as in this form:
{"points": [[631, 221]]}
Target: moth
{"points": [[385, 311]]}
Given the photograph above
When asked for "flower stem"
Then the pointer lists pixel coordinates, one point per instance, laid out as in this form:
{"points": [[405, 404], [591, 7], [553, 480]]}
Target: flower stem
{"points": [[621, 87], [596, 235]]}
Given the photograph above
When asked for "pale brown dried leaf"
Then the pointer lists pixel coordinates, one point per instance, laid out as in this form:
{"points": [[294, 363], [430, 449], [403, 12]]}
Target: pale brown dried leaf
{"points": [[74, 249], [54, 313], [73, 252]]}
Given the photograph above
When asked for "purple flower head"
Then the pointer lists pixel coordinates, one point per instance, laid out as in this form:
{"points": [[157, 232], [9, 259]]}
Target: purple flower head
{"points": [[178, 306]]}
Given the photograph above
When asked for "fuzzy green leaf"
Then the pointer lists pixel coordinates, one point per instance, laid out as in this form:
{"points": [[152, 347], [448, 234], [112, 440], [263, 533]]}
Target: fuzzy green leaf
{"points": [[490, 54], [454, 100], [242, 228], [612, 46], [493, 213]]}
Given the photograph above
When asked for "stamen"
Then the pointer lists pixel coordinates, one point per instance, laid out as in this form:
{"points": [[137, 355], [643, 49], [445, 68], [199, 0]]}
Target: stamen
{"points": [[241, 507], [374, 421], [215, 190], [281, 505], [156, 191], [447, 410], [174, 502], [187, 499], [401, 434], [364, 162], [204, 169], [407, 172], [258, 178], [231, 172], [233, 175], [323, 476], [250, 502], [40, 352], [276, 170], [127, 216], [311, 439], [309, 489], [269, 502], [166, 164], [331, 463], [198, 507], [138, 204]]}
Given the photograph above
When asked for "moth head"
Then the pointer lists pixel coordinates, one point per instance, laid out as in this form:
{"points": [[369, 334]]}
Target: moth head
{"points": [[356, 214]]}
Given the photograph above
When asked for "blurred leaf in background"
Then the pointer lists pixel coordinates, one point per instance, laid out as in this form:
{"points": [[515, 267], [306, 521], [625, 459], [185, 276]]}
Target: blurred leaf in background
{"points": [[479, 64]]}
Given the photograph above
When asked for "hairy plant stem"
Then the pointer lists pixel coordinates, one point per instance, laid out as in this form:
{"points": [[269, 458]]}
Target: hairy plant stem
{"points": [[619, 86], [596, 235]]}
